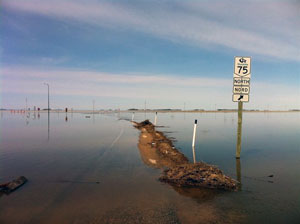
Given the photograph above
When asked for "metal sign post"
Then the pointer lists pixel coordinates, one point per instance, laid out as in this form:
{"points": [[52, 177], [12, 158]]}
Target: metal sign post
{"points": [[241, 90]]}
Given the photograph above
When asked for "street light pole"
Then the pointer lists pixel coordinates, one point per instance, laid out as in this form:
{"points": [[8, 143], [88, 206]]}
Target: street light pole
{"points": [[48, 112], [48, 97]]}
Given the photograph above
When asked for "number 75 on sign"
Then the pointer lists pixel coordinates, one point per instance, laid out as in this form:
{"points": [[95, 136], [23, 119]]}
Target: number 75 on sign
{"points": [[242, 67]]}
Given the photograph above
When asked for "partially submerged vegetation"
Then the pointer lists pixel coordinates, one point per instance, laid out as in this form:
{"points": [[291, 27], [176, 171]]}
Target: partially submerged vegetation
{"points": [[11, 186], [198, 175], [158, 151]]}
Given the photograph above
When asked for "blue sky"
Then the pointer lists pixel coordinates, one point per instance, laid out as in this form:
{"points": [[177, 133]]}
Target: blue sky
{"points": [[121, 53]]}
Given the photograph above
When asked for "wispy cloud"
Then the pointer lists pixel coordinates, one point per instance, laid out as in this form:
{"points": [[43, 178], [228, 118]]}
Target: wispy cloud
{"points": [[99, 78], [264, 28], [163, 88]]}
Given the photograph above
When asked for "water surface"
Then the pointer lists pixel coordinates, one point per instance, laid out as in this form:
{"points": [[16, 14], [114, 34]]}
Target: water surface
{"points": [[88, 169]]}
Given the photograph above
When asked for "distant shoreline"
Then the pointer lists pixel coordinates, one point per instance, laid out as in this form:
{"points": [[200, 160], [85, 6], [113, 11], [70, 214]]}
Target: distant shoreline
{"points": [[210, 111], [146, 111]]}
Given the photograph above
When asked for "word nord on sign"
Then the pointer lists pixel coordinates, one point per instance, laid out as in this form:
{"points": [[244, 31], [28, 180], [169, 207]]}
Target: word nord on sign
{"points": [[241, 90]]}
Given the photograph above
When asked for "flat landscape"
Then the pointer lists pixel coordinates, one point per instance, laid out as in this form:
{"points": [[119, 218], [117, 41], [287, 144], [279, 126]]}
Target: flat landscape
{"points": [[149, 112], [90, 169]]}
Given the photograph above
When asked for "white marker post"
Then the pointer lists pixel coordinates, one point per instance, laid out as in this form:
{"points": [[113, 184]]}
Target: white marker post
{"points": [[155, 119], [194, 135], [132, 118]]}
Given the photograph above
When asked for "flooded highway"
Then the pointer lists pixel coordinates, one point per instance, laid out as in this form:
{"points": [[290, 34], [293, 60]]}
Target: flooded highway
{"points": [[91, 168]]}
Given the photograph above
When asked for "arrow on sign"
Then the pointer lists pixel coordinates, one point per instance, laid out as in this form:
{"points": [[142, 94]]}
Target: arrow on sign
{"points": [[240, 98]]}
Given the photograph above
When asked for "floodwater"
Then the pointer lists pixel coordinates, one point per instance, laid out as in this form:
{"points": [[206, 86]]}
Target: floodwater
{"points": [[85, 168]]}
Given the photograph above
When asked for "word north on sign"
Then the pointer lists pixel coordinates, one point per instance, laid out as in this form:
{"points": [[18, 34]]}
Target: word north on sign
{"points": [[242, 67], [241, 81]]}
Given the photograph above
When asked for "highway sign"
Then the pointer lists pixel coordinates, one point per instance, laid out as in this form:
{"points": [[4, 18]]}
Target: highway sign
{"points": [[241, 89], [242, 67], [241, 81], [240, 98]]}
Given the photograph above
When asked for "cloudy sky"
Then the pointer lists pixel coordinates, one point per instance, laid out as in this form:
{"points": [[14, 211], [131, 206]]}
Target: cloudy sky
{"points": [[121, 53]]}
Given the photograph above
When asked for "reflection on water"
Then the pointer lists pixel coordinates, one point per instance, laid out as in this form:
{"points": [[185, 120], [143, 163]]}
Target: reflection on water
{"points": [[48, 113], [238, 172], [194, 154], [104, 149], [198, 194]]}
